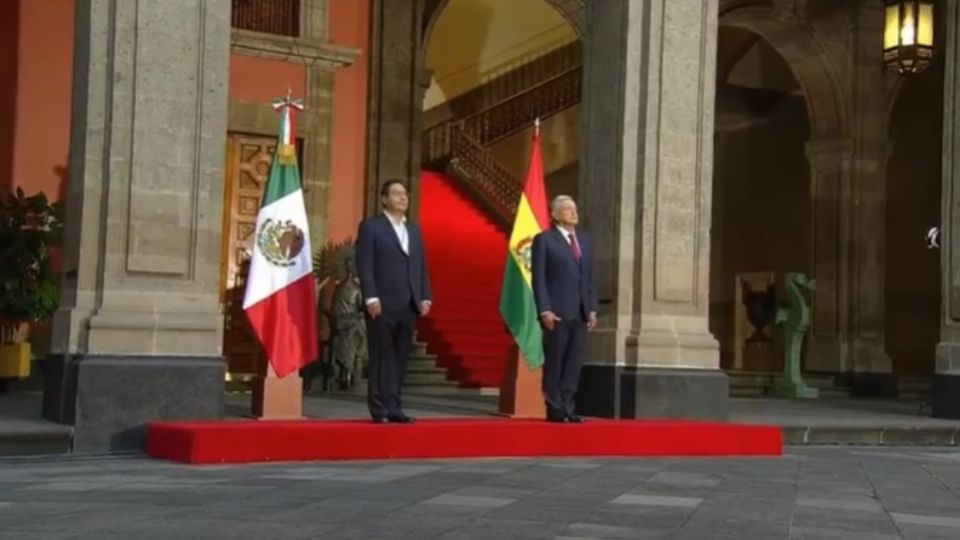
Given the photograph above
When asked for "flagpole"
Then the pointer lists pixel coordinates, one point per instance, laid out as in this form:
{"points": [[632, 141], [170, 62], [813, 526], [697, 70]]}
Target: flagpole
{"points": [[274, 303]]}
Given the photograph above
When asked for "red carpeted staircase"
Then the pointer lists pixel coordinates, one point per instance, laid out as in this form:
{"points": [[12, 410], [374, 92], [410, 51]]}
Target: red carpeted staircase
{"points": [[466, 252]]}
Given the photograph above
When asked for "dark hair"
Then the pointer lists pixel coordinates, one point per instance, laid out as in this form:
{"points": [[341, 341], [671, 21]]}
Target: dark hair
{"points": [[385, 188]]}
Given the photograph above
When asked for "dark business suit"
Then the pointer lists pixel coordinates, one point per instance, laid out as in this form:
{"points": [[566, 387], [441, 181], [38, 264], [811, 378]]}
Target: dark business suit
{"points": [[564, 286], [400, 282]]}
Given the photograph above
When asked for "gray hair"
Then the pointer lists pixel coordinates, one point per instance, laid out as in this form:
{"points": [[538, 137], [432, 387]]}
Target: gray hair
{"points": [[558, 200]]}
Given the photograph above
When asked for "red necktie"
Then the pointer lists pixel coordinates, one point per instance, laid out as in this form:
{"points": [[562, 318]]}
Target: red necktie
{"points": [[574, 247]]}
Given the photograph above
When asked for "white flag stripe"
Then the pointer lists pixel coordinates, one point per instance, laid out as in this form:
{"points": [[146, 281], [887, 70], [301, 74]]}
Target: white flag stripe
{"points": [[264, 278]]}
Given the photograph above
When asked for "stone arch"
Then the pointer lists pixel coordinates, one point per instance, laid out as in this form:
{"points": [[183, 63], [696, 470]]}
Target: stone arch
{"points": [[782, 26], [793, 39], [571, 10]]}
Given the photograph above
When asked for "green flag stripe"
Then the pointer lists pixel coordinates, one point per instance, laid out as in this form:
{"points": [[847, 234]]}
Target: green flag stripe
{"points": [[282, 181], [519, 311]]}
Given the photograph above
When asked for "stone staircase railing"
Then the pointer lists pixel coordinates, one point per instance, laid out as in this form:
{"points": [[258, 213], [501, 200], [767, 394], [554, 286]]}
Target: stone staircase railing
{"points": [[512, 80], [491, 184], [518, 112], [461, 145]]}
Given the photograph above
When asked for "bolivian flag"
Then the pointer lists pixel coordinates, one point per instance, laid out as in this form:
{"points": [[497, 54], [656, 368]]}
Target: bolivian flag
{"points": [[517, 306]]}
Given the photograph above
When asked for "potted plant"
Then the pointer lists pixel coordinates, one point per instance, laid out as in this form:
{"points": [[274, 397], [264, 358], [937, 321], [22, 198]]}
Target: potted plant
{"points": [[29, 289]]}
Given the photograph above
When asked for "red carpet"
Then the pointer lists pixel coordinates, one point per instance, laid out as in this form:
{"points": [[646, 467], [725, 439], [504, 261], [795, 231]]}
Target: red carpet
{"points": [[245, 441], [465, 255]]}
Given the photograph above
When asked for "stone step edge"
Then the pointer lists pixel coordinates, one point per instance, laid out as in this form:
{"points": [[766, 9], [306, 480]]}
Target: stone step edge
{"points": [[870, 436]]}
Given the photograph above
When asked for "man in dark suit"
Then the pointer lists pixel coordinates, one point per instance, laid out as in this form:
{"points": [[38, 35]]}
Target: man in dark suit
{"points": [[567, 303], [393, 277]]}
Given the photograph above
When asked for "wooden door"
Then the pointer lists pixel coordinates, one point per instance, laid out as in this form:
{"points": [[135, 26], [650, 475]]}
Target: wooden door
{"points": [[248, 163]]}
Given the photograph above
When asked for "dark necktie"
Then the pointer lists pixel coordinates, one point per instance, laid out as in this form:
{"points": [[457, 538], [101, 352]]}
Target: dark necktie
{"points": [[574, 247]]}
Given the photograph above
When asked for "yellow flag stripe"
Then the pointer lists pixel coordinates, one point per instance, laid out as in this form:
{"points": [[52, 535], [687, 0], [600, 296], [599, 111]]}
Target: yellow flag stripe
{"points": [[525, 227]]}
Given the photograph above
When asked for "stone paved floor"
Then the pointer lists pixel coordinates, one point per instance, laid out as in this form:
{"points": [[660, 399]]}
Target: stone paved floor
{"points": [[810, 493]]}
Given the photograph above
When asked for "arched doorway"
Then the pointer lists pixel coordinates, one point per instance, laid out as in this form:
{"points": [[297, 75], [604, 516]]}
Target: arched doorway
{"points": [[490, 69], [760, 226]]}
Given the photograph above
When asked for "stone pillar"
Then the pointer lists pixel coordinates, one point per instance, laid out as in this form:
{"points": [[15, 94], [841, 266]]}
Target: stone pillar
{"points": [[396, 98], [139, 333], [871, 366], [645, 189], [829, 187], [847, 188], [946, 379]]}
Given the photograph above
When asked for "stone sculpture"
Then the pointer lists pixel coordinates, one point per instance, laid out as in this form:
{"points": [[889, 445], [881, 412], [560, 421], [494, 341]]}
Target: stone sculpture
{"points": [[795, 320]]}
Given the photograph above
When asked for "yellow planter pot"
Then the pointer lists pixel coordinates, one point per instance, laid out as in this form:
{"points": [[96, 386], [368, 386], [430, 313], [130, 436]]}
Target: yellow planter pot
{"points": [[15, 361]]}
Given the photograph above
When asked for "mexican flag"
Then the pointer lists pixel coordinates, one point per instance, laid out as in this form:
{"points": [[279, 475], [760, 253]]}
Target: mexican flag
{"points": [[517, 307], [280, 298]]}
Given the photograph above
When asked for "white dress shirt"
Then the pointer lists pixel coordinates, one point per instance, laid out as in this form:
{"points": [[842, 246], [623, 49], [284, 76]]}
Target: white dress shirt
{"points": [[566, 233], [400, 227]]}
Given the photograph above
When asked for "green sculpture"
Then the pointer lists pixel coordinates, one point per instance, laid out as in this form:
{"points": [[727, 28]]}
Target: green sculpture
{"points": [[795, 320]]}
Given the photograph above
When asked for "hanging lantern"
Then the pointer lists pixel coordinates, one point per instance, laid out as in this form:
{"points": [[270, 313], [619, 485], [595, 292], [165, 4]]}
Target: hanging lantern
{"points": [[908, 35]]}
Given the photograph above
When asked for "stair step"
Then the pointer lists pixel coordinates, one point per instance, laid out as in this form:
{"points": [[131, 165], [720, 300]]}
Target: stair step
{"points": [[417, 378], [465, 329], [422, 363]]}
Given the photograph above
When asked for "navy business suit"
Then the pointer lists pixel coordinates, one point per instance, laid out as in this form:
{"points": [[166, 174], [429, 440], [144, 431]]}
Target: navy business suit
{"points": [[565, 286], [401, 283]]}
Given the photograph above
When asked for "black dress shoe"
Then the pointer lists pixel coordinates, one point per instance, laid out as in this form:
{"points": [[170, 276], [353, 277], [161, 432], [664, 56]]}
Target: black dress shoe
{"points": [[401, 419], [557, 419], [575, 419], [380, 420]]}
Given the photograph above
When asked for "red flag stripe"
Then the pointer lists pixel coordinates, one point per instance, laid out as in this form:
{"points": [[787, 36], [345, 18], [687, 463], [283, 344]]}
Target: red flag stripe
{"points": [[533, 186], [286, 322]]}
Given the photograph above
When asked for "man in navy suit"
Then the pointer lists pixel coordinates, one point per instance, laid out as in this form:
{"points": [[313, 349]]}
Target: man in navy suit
{"points": [[567, 303], [396, 290]]}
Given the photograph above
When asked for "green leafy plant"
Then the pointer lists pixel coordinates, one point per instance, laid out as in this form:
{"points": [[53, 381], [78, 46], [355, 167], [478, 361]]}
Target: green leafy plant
{"points": [[30, 227]]}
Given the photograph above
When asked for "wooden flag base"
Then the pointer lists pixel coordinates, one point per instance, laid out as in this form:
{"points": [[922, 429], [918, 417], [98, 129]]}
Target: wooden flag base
{"points": [[277, 399], [520, 391]]}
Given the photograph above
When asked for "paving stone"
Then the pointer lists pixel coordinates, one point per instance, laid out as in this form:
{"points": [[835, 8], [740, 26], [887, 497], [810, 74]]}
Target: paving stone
{"points": [[493, 491], [485, 528], [917, 519], [602, 531], [468, 500], [69, 486], [844, 521], [658, 500], [684, 479], [36, 535], [861, 505], [818, 533]]}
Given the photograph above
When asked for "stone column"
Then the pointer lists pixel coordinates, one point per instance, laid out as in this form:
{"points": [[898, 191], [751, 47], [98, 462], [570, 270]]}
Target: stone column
{"points": [[872, 367], [846, 332], [646, 174], [139, 333], [319, 101], [396, 98], [829, 186], [946, 379]]}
